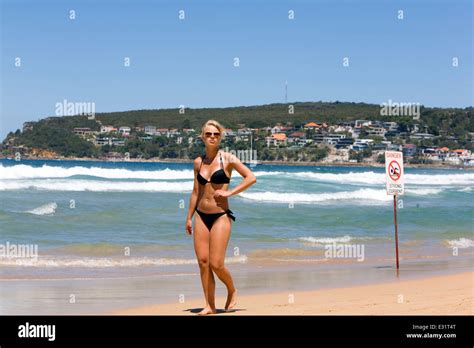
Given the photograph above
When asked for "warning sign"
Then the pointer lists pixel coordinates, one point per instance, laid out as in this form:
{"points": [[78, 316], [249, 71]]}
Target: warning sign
{"points": [[394, 172]]}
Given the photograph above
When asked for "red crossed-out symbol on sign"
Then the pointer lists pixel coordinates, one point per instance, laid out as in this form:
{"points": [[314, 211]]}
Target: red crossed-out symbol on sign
{"points": [[394, 170]]}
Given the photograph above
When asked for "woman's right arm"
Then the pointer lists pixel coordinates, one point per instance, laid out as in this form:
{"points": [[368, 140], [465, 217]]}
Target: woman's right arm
{"points": [[193, 199]]}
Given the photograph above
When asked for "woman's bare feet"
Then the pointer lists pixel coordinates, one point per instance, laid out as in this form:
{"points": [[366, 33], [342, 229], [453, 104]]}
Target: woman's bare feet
{"points": [[207, 310], [231, 300]]}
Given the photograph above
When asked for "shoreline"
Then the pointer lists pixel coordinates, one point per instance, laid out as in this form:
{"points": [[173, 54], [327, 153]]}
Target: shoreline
{"points": [[283, 163], [434, 295]]}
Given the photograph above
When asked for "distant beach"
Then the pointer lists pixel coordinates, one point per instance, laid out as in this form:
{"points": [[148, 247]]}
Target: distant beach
{"points": [[434, 165]]}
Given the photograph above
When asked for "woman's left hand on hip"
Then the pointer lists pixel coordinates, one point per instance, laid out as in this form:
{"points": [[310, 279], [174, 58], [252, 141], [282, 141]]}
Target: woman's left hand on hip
{"points": [[221, 193]]}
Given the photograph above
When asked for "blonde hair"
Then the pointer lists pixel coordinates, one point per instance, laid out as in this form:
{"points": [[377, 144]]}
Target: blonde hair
{"points": [[215, 124]]}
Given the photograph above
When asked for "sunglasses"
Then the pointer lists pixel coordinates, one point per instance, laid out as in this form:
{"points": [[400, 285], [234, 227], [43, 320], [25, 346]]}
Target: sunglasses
{"points": [[210, 134]]}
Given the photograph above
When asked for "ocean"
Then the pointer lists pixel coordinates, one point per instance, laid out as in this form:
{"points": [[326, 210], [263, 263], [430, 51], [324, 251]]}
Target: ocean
{"points": [[95, 224]]}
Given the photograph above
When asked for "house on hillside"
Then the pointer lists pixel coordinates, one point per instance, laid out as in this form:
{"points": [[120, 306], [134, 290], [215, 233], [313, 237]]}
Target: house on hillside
{"points": [[276, 139], [409, 150]]}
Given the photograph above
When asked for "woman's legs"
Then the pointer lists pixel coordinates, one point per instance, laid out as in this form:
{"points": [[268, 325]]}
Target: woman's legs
{"points": [[219, 239], [201, 247]]}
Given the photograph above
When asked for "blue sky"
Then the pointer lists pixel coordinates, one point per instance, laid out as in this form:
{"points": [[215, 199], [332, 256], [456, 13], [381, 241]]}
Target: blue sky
{"points": [[190, 61]]}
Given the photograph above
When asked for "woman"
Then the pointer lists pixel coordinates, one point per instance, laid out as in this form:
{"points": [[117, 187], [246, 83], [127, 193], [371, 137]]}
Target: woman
{"points": [[212, 225]]}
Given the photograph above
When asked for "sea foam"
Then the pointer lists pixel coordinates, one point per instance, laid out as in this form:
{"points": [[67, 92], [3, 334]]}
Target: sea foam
{"points": [[461, 243], [47, 261], [45, 209], [23, 171], [361, 195]]}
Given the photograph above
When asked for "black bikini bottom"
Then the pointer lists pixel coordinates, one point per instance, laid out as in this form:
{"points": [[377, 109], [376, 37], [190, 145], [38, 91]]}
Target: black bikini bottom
{"points": [[209, 219]]}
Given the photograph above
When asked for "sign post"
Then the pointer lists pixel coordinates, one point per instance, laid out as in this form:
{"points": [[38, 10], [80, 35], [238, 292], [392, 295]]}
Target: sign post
{"points": [[394, 183]]}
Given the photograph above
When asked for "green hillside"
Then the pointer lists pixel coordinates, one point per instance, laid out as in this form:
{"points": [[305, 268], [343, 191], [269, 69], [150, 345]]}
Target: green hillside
{"points": [[454, 126]]}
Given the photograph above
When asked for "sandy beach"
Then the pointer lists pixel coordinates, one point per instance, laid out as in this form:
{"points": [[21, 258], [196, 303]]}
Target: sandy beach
{"points": [[439, 295]]}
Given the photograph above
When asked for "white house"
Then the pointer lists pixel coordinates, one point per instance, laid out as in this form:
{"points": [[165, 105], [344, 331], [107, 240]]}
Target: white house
{"points": [[150, 130], [125, 131]]}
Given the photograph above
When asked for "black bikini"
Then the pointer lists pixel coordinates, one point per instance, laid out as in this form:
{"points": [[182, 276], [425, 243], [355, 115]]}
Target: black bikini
{"points": [[218, 177]]}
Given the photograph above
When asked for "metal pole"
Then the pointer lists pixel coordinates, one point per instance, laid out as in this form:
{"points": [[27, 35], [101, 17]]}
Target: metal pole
{"points": [[396, 227]]}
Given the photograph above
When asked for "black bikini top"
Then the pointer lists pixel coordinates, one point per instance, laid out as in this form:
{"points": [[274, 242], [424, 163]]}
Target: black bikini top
{"points": [[218, 177]]}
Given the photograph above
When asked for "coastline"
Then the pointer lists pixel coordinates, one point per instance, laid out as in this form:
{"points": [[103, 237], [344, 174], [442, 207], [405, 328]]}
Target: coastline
{"points": [[434, 295], [283, 163]]}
